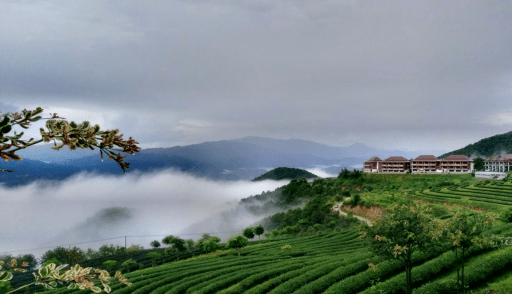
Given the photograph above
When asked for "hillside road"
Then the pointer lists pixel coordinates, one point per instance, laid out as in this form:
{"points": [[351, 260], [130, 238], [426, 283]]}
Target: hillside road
{"points": [[341, 212]]}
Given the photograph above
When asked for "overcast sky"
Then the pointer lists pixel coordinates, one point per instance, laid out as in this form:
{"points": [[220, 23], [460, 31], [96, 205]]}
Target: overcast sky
{"points": [[388, 74]]}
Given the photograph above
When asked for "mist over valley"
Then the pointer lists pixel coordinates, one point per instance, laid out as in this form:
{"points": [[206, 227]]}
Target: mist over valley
{"points": [[88, 207]]}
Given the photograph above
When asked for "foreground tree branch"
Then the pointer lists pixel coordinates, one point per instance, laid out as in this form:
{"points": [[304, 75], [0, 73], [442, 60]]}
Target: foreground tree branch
{"points": [[66, 133]]}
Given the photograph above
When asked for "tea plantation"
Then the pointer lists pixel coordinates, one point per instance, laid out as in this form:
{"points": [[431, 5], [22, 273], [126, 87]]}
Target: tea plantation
{"points": [[337, 260]]}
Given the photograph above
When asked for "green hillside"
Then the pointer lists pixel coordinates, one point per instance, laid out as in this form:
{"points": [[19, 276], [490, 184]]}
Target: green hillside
{"points": [[486, 147], [326, 254], [285, 173]]}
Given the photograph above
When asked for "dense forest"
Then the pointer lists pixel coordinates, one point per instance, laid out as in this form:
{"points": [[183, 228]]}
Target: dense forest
{"points": [[488, 147]]}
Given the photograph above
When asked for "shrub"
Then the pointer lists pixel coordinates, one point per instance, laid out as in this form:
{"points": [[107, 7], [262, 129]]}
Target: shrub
{"points": [[110, 264], [354, 200], [507, 215], [126, 264], [5, 287]]}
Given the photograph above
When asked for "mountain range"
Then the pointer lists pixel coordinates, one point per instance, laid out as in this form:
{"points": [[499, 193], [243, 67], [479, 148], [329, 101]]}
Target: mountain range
{"points": [[239, 159]]}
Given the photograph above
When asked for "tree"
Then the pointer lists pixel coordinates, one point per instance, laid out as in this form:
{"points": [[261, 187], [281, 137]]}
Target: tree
{"points": [[110, 264], [108, 250], [154, 256], [479, 163], [464, 230], [176, 243], [91, 254], [331, 224], [75, 255], [59, 253], [67, 133], [208, 243], [190, 246], [303, 223], [135, 248], [155, 244], [259, 230], [238, 243], [74, 136], [275, 233], [507, 215], [127, 263], [249, 233], [212, 244], [402, 230]]}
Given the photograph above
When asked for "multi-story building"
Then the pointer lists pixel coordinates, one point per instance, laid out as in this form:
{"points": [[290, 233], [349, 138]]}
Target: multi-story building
{"points": [[394, 164], [372, 165], [501, 164], [457, 164], [422, 164]]}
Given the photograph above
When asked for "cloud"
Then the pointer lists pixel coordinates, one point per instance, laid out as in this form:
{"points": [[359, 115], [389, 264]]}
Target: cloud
{"points": [[160, 203], [396, 75], [320, 172], [500, 119]]}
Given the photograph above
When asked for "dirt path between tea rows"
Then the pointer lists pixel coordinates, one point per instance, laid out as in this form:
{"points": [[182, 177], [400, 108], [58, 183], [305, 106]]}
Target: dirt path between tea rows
{"points": [[341, 212]]}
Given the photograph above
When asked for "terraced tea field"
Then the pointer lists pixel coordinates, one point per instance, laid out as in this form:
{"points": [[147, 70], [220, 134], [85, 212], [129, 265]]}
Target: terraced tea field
{"points": [[329, 263], [486, 195]]}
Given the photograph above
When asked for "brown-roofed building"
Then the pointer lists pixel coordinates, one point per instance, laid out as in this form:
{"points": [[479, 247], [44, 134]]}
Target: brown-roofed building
{"points": [[394, 164], [501, 164], [423, 164], [372, 165], [457, 164]]}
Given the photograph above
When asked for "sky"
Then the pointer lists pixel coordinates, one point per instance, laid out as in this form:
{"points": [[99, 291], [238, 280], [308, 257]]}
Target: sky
{"points": [[407, 75]]}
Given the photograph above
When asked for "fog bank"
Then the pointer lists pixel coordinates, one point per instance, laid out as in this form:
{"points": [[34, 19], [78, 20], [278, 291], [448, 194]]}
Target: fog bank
{"points": [[160, 203]]}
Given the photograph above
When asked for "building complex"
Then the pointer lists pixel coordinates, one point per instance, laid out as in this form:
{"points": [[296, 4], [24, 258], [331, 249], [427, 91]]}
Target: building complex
{"points": [[423, 164], [500, 164]]}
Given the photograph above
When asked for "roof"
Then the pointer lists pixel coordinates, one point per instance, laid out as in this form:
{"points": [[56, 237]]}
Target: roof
{"points": [[507, 157], [425, 158], [456, 158], [375, 158], [396, 158]]}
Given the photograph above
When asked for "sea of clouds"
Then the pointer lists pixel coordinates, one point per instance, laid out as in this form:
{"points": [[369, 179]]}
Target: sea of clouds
{"points": [[35, 218]]}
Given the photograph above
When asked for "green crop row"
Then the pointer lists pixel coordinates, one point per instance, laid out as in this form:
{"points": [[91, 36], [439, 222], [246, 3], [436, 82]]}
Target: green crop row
{"points": [[364, 279], [504, 285], [482, 197], [191, 280], [268, 285], [459, 195], [221, 282], [297, 282], [424, 272], [492, 191], [477, 269], [356, 265], [140, 278], [485, 194], [255, 279]]}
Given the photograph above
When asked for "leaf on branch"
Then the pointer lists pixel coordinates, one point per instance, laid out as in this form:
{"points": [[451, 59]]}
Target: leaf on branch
{"points": [[5, 276]]}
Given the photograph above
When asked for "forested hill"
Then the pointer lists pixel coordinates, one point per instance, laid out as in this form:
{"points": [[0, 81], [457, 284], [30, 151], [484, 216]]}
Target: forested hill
{"points": [[285, 173], [486, 147]]}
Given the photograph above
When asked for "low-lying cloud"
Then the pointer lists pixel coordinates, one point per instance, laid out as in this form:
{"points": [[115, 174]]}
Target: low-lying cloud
{"points": [[161, 203]]}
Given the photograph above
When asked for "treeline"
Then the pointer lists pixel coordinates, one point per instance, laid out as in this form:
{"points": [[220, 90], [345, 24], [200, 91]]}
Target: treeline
{"points": [[487, 147]]}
